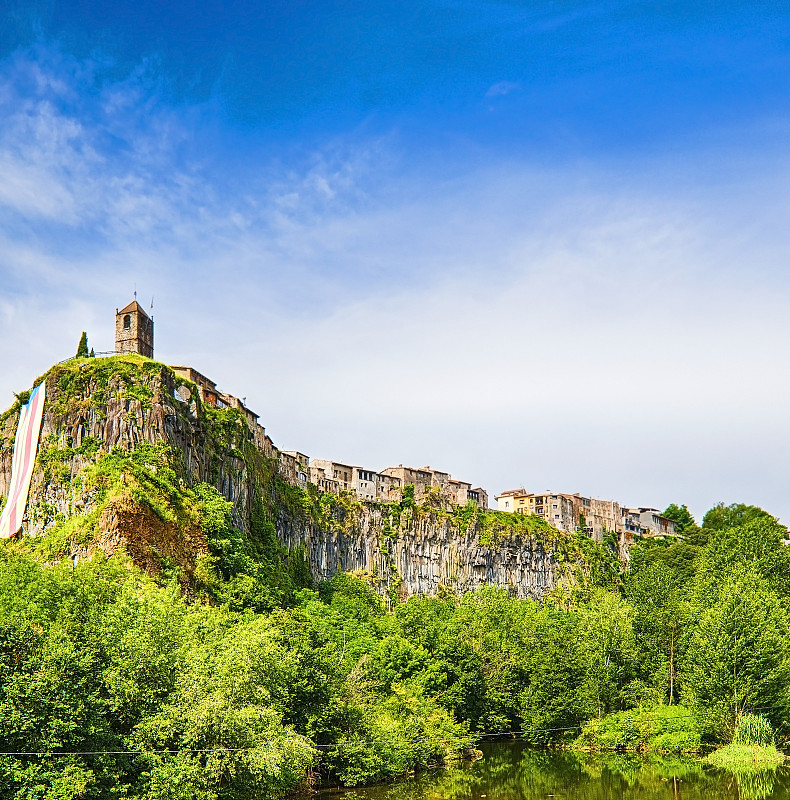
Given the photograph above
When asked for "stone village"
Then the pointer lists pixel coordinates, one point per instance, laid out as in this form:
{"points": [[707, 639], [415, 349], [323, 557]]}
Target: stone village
{"points": [[134, 333]]}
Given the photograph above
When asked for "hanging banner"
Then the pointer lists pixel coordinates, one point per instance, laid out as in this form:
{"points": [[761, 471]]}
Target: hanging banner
{"points": [[25, 449]]}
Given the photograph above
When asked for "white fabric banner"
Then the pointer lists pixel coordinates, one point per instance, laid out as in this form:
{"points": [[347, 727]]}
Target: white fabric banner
{"points": [[25, 449]]}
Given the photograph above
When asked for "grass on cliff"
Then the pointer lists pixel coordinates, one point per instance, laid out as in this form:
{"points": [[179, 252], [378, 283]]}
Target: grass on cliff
{"points": [[147, 474], [84, 383], [249, 569]]}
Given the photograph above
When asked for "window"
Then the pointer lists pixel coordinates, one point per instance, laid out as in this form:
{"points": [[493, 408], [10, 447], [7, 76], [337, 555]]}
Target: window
{"points": [[127, 322], [554, 506]]}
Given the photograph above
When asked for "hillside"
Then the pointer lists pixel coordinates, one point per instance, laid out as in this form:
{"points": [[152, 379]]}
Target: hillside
{"points": [[130, 459]]}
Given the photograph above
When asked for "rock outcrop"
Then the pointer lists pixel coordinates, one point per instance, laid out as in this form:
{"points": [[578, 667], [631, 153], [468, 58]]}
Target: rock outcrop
{"points": [[426, 555], [95, 407]]}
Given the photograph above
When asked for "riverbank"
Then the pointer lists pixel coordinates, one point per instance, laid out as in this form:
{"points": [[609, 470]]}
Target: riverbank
{"points": [[746, 757]]}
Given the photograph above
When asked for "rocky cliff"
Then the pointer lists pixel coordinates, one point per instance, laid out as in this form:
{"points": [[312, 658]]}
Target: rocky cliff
{"points": [[428, 553], [125, 441]]}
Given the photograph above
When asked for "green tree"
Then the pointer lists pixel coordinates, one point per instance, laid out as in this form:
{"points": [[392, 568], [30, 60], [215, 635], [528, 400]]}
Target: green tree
{"points": [[734, 515], [220, 709], [661, 613], [680, 515], [607, 632], [738, 655], [558, 695], [756, 544], [82, 347], [686, 525], [680, 557]]}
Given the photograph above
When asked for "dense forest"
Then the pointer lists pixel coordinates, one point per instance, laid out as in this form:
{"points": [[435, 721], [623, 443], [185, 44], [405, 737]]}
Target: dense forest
{"points": [[113, 684]]}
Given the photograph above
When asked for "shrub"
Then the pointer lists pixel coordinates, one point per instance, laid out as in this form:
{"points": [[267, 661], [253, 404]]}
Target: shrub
{"points": [[662, 728], [753, 729]]}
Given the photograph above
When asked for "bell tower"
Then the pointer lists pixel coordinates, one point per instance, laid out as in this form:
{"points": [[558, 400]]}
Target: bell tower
{"points": [[134, 331]]}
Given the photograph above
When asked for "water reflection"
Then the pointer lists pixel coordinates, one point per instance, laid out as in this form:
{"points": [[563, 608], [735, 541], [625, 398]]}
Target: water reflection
{"points": [[512, 771]]}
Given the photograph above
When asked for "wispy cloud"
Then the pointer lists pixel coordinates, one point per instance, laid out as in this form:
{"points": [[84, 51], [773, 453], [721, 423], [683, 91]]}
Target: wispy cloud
{"points": [[502, 88], [592, 328]]}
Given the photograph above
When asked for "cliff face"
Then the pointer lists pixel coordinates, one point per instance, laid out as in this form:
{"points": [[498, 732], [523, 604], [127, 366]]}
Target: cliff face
{"points": [[96, 413], [101, 482], [97, 407], [428, 554]]}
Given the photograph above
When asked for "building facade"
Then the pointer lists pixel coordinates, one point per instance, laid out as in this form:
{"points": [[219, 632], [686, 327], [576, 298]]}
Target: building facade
{"points": [[652, 523], [134, 331], [297, 465], [342, 474], [575, 512]]}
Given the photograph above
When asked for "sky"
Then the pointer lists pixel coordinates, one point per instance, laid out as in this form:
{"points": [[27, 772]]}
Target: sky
{"points": [[538, 244]]}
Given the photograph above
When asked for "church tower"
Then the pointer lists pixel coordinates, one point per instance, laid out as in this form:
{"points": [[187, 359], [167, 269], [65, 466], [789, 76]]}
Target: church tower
{"points": [[134, 331]]}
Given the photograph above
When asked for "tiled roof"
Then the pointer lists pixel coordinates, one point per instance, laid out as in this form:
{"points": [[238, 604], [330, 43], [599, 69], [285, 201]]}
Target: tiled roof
{"points": [[133, 306]]}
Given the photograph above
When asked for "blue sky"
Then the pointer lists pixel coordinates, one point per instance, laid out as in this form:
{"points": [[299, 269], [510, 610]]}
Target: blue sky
{"points": [[540, 244]]}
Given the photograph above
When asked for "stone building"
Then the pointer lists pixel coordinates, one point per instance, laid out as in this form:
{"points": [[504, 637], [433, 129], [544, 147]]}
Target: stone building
{"points": [[478, 495], [364, 483], [461, 492], [574, 512], [387, 485], [211, 396], [632, 524], [603, 516], [322, 478], [507, 500], [652, 523], [343, 474], [298, 466], [388, 488], [134, 331], [367, 484], [565, 511], [421, 479], [206, 387], [442, 485], [458, 491]]}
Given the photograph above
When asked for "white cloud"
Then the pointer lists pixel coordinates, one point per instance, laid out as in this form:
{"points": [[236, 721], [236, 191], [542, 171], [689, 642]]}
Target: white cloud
{"points": [[502, 88], [583, 329]]}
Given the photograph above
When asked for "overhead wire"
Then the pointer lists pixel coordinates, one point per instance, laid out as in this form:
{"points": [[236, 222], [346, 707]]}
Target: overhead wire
{"points": [[337, 745]]}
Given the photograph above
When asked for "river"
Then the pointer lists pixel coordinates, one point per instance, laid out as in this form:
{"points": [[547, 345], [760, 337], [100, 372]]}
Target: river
{"points": [[513, 771]]}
